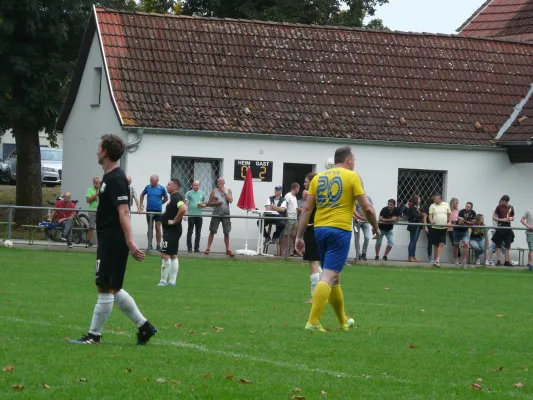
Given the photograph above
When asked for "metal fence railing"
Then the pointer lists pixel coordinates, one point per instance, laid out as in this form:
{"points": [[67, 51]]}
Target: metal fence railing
{"points": [[256, 216]]}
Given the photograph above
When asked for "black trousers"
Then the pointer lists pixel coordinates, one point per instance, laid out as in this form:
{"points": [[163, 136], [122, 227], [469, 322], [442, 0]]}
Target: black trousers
{"points": [[278, 223], [195, 223]]}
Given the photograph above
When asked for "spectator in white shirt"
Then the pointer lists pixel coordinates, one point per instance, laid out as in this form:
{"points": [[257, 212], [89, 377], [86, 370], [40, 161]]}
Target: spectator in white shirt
{"points": [[291, 225]]}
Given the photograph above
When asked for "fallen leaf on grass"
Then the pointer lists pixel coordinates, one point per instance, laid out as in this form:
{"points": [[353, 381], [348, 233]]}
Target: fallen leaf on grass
{"points": [[242, 380], [9, 368], [160, 380], [218, 328], [479, 380], [411, 346], [18, 388], [191, 332], [498, 370], [113, 356], [297, 390], [299, 397], [129, 370], [230, 377], [207, 376], [385, 288], [475, 386], [82, 379], [518, 385], [178, 325], [46, 386], [323, 393], [499, 315]]}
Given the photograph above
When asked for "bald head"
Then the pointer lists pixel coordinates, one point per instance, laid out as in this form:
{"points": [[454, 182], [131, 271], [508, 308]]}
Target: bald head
{"points": [[67, 197], [196, 185]]}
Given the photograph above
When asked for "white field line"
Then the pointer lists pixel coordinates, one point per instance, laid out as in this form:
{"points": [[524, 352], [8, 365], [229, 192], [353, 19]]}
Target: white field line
{"points": [[203, 349]]}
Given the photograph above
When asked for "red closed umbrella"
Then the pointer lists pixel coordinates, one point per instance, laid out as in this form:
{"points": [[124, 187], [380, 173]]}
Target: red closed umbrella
{"points": [[246, 199], [246, 202]]}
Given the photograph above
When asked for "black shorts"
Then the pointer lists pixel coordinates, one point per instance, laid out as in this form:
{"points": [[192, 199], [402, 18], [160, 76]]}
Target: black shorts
{"points": [[439, 236], [155, 217], [171, 238], [311, 247], [503, 236], [111, 260]]}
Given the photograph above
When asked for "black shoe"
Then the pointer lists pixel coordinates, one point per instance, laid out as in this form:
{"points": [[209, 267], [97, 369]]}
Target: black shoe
{"points": [[377, 258], [69, 245], [145, 333], [508, 264], [498, 264], [385, 258], [197, 250], [87, 339], [363, 256]]}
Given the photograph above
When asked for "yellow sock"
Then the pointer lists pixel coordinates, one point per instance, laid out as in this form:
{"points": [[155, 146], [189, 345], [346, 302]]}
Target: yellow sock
{"points": [[320, 300], [336, 298]]}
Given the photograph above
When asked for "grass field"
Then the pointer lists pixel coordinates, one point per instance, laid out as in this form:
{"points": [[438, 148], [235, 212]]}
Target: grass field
{"points": [[422, 333]]}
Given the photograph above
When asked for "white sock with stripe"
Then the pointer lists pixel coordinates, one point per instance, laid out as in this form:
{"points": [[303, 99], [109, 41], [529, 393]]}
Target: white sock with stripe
{"points": [[174, 269], [315, 278], [165, 267], [127, 305], [102, 310]]}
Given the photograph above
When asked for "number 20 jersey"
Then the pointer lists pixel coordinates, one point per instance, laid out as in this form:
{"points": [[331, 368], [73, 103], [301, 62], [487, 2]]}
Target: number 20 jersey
{"points": [[335, 191]]}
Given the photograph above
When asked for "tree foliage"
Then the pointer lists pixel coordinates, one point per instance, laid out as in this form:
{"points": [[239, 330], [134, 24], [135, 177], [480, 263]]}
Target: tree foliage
{"points": [[321, 12]]}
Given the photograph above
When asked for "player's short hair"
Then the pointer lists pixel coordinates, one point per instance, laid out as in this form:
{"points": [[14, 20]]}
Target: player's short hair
{"points": [[438, 195], [114, 146], [310, 176], [176, 182], [342, 154], [414, 199], [295, 185], [391, 201], [471, 204]]}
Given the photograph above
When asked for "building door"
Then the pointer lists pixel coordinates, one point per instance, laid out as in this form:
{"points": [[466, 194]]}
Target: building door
{"points": [[295, 173]]}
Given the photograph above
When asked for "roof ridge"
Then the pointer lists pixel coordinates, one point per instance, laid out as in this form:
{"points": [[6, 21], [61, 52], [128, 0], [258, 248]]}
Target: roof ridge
{"points": [[320, 27]]}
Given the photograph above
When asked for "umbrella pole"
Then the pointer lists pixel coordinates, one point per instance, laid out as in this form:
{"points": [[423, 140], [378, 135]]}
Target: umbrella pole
{"points": [[246, 230]]}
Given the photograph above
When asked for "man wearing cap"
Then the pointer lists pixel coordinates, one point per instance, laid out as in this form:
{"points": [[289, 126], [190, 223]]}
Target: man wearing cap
{"points": [[275, 206]]}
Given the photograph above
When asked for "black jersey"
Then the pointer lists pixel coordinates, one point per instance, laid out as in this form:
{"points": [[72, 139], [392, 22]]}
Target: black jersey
{"points": [[113, 192], [174, 203]]}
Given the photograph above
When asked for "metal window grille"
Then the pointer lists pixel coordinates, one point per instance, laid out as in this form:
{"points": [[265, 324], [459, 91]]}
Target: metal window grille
{"points": [[187, 170], [421, 182]]}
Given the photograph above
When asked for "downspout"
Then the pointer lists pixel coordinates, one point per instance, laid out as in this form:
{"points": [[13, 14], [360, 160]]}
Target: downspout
{"points": [[517, 109], [134, 146]]}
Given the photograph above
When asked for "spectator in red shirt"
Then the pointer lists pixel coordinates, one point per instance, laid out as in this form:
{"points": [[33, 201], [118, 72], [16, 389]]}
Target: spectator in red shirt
{"points": [[65, 218]]}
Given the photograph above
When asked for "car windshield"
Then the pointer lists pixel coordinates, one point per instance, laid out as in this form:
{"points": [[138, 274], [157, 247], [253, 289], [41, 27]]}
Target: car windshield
{"points": [[51, 155]]}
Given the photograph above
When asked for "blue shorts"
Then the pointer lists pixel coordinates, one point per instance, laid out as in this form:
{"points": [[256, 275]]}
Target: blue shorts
{"points": [[460, 236], [333, 247]]}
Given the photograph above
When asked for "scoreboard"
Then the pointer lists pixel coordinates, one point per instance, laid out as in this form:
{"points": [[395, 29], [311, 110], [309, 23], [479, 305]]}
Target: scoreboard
{"points": [[260, 170]]}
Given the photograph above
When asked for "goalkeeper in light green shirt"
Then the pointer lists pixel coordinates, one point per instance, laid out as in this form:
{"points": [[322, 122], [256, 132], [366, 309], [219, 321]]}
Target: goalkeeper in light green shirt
{"points": [[196, 200], [92, 199]]}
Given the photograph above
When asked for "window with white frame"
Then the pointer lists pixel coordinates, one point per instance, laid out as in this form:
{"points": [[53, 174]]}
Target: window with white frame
{"points": [[187, 170], [424, 183]]}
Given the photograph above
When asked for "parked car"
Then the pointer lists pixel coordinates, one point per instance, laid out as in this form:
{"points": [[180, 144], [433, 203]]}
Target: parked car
{"points": [[5, 175], [51, 165]]}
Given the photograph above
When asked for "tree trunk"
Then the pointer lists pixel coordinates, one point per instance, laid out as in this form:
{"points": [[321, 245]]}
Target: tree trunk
{"points": [[29, 187]]}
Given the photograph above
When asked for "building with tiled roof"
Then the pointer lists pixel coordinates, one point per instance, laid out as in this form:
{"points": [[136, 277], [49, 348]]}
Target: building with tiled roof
{"points": [[199, 97]]}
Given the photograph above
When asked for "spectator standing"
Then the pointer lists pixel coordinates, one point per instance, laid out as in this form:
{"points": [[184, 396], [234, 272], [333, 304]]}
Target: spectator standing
{"points": [[527, 221], [429, 234], [477, 238], [360, 223], [275, 206], [466, 218], [390, 215], [65, 218], [92, 199], [133, 196], [196, 201], [440, 216], [454, 207], [220, 198], [414, 215], [156, 196], [291, 225], [504, 215]]}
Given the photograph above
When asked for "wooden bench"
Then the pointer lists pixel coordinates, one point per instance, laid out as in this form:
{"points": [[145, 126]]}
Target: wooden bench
{"points": [[6, 224], [34, 228]]}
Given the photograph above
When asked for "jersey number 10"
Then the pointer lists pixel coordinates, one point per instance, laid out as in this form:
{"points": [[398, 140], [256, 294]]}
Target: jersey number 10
{"points": [[328, 192]]}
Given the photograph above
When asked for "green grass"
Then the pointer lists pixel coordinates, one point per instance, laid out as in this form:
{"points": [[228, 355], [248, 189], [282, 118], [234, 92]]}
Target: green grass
{"points": [[463, 325]]}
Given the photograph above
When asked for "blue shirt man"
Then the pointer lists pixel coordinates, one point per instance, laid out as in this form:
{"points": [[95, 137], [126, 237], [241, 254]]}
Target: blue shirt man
{"points": [[156, 196]]}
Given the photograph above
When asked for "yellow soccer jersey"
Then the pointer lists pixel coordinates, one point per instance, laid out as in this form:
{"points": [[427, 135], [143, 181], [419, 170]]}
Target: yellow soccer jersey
{"points": [[335, 191]]}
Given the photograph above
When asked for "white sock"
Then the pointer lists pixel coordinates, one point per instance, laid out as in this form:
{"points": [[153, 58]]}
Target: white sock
{"points": [[127, 305], [102, 310], [174, 269], [315, 278], [320, 272], [165, 266]]}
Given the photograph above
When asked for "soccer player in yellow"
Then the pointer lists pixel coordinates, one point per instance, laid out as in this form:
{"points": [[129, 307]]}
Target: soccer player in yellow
{"points": [[333, 193]]}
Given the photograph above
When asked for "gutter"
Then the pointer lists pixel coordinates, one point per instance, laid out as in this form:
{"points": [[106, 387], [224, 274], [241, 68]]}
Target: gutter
{"points": [[265, 136]]}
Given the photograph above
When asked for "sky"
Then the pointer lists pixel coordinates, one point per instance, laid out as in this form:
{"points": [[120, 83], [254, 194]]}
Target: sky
{"points": [[434, 16]]}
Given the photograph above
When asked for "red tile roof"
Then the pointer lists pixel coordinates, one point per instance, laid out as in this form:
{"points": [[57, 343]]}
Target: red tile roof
{"points": [[502, 19], [273, 78]]}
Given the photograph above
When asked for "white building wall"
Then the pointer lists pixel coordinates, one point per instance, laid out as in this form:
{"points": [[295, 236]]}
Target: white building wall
{"points": [[85, 125], [478, 176]]}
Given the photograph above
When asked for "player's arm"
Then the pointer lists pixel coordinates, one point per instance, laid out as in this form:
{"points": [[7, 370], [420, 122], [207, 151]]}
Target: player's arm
{"points": [[449, 217], [369, 212], [229, 196], [142, 199], [182, 210], [430, 216], [211, 202], [164, 197]]}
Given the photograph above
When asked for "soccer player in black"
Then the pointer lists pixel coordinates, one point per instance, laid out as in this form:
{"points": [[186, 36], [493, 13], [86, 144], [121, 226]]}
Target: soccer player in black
{"points": [[171, 221], [115, 242]]}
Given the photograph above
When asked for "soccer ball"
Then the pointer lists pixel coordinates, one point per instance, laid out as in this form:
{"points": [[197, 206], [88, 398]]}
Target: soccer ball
{"points": [[330, 163], [8, 243]]}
